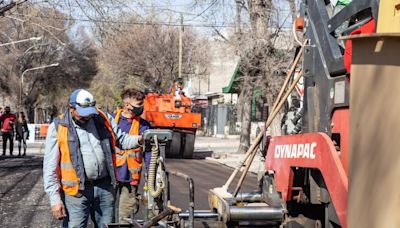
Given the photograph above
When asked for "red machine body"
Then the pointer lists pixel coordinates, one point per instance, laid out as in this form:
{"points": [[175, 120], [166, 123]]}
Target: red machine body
{"points": [[313, 151], [309, 166]]}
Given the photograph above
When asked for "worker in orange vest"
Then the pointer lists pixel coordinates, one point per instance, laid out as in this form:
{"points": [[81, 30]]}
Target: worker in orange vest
{"points": [[129, 162], [79, 162]]}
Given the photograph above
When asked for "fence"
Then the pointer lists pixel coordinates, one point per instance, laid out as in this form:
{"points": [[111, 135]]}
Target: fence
{"points": [[37, 132], [219, 120]]}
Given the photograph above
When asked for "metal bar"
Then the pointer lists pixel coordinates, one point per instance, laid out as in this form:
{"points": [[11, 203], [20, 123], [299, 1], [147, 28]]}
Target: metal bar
{"points": [[248, 197], [326, 43], [255, 213], [191, 195], [352, 9], [199, 214], [136, 223], [116, 207], [154, 220]]}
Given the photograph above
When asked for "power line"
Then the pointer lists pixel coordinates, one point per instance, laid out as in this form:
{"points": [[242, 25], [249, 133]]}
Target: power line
{"points": [[205, 10], [138, 22]]}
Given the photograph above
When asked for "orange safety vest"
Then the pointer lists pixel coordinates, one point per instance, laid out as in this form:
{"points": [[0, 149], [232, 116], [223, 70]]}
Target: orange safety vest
{"points": [[133, 157], [69, 178]]}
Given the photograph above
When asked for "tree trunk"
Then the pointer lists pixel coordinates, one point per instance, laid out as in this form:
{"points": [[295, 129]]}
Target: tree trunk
{"points": [[30, 113], [246, 115], [275, 129], [260, 14]]}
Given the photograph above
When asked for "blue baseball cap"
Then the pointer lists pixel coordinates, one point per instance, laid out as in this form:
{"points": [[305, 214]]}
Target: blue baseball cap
{"points": [[83, 102]]}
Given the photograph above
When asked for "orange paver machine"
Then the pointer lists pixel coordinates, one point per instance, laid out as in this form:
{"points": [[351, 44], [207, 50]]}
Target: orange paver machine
{"points": [[174, 111]]}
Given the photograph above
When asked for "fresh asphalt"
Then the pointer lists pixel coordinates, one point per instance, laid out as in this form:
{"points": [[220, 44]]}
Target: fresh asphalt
{"points": [[23, 202]]}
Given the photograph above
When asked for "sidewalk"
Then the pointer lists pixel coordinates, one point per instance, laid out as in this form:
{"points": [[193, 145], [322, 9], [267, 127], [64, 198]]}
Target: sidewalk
{"points": [[224, 151], [216, 145], [233, 160], [36, 148]]}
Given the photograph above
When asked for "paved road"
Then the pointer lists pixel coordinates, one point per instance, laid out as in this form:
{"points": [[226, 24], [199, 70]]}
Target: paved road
{"points": [[23, 202], [206, 175]]}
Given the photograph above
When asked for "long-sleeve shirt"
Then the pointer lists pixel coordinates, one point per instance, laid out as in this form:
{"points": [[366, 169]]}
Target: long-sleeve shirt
{"points": [[7, 122], [123, 174], [92, 154], [93, 157]]}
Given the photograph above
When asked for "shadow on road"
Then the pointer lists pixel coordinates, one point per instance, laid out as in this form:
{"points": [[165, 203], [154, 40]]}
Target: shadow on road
{"points": [[200, 155]]}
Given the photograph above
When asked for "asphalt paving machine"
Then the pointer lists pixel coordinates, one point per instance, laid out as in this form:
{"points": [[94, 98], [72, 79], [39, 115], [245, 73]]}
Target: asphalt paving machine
{"points": [[306, 170], [305, 183]]}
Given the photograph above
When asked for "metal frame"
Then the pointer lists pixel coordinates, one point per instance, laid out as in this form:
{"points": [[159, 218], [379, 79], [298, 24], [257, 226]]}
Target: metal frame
{"points": [[323, 65]]}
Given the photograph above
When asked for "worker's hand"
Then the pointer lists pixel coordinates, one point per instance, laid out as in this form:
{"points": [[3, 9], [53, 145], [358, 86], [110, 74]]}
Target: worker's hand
{"points": [[59, 211], [140, 140]]}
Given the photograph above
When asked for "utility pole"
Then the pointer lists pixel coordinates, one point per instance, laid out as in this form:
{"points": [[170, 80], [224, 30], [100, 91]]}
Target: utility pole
{"points": [[180, 48], [238, 21]]}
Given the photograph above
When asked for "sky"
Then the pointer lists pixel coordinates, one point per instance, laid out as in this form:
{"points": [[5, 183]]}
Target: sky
{"points": [[201, 15]]}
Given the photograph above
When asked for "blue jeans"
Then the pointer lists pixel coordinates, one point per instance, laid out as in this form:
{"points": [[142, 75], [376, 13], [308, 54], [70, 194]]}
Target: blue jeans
{"points": [[96, 201]]}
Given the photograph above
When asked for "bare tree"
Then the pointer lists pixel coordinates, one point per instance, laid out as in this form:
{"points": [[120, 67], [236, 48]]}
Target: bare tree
{"points": [[8, 5], [76, 62], [262, 63], [145, 56]]}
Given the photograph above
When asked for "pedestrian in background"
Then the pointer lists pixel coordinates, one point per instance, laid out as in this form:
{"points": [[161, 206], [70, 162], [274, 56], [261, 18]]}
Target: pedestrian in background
{"points": [[79, 162], [129, 162], [7, 120], [22, 133]]}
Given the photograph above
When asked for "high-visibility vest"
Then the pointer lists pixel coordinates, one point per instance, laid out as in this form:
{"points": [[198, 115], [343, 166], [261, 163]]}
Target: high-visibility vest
{"points": [[69, 178], [133, 157]]}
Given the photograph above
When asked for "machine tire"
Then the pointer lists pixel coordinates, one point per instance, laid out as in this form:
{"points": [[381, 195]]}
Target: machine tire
{"points": [[188, 148], [176, 145]]}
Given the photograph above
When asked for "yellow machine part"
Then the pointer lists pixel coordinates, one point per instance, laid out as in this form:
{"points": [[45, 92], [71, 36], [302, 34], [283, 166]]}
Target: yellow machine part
{"points": [[389, 16]]}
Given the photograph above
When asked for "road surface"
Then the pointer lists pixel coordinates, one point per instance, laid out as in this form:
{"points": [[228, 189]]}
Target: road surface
{"points": [[23, 202]]}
